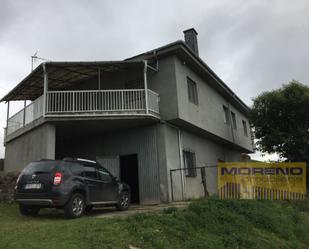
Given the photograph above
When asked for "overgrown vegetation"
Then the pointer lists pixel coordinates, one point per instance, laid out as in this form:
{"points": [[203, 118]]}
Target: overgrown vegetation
{"points": [[281, 121], [205, 224]]}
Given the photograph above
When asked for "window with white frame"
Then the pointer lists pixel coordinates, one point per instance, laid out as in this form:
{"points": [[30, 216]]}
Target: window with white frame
{"points": [[192, 91], [189, 163]]}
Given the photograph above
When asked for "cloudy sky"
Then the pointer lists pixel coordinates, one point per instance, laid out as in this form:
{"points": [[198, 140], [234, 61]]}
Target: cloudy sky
{"points": [[253, 46]]}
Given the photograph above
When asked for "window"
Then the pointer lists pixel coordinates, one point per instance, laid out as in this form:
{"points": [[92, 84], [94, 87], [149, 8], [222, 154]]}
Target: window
{"points": [[189, 163], [90, 172], [226, 115], [41, 166], [244, 124], [76, 168], [234, 120], [104, 175], [192, 91]]}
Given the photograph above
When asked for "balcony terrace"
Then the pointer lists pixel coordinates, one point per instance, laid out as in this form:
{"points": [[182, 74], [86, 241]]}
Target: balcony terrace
{"points": [[59, 94]]}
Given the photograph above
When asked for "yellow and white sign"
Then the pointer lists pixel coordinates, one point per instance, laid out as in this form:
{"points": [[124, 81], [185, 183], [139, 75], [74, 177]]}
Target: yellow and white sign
{"points": [[252, 180]]}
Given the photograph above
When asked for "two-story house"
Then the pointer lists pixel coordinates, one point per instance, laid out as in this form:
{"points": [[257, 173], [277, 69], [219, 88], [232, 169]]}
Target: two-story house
{"points": [[141, 118]]}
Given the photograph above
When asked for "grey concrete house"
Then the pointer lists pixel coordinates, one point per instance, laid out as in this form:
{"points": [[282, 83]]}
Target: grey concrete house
{"points": [[141, 118]]}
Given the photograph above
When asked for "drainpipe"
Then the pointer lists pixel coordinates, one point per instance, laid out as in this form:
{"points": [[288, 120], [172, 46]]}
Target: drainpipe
{"points": [[181, 163], [145, 86], [7, 118], [231, 122], [45, 89]]}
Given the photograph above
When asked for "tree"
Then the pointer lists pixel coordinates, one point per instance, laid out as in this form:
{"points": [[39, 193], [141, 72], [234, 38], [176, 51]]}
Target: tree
{"points": [[281, 122]]}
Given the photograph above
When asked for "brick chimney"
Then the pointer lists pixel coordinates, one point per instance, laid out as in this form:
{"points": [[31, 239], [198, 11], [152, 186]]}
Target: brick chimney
{"points": [[191, 39]]}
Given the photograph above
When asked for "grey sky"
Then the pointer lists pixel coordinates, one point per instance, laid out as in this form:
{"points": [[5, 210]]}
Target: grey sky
{"points": [[253, 46]]}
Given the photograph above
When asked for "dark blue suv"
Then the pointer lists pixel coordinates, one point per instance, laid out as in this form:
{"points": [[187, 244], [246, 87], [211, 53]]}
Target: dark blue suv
{"points": [[76, 185]]}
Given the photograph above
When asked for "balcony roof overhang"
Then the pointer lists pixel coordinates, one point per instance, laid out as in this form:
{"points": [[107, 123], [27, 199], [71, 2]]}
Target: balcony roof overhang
{"points": [[62, 74]]}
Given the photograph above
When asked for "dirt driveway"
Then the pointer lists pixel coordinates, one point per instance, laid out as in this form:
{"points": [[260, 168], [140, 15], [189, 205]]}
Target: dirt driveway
{"points": [[107, 212]]}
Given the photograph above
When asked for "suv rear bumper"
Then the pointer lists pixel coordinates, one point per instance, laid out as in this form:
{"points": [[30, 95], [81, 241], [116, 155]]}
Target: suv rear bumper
{"points": [[39, 202], [41, 199]]}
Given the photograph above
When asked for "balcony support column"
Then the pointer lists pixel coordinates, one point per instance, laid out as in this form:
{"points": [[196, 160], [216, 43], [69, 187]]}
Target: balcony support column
{"points": [[45, 89], [146, 87]]}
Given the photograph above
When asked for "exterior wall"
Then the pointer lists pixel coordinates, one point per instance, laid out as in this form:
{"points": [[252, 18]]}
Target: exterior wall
{"points": [[140, 141], [208, 115], [34, 145], [164, 83], [169, 158], [207, 154]]}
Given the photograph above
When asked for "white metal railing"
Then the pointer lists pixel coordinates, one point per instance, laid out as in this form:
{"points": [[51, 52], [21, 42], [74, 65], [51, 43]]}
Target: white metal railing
{"points": [[34, 110], [25, 116], [153, 101], [15, 122], [88, 101], [107, 101]]}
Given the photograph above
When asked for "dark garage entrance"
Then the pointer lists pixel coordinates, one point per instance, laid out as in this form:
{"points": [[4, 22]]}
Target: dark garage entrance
{"points": [[129, 174]]}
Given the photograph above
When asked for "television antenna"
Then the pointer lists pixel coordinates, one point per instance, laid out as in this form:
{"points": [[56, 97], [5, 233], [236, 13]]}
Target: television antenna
{"points": [[34, 58]]}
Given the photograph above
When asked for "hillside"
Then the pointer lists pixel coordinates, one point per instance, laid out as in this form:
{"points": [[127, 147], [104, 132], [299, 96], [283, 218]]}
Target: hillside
{"points": [[205, 224]]}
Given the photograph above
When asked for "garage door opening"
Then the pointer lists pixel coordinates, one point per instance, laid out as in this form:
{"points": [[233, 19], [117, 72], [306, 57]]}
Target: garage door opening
{"points": [[129, 174]]}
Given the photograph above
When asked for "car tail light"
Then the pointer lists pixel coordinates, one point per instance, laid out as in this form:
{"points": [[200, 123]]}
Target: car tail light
{"points": [[57, 178]]}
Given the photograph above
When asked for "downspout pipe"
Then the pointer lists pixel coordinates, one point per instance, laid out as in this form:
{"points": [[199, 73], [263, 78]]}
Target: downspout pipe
{"points": [[146, 86], [182, 177], [181, 163], [7, 118], [231, 122], [45, 89]]}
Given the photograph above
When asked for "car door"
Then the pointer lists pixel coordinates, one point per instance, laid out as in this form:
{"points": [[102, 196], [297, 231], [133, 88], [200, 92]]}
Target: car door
{"points": [[109, 186], [93, 182]]}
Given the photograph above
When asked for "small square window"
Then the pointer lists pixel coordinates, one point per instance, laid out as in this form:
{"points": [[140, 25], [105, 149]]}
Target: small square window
{"points": [[192, 91], [244, 124], [234, 120], [189, 163]]}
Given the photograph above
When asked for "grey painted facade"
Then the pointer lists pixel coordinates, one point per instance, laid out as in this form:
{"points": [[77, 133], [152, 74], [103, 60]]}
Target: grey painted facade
{"points": [[33, 145], [174, 141], [158, 142]]}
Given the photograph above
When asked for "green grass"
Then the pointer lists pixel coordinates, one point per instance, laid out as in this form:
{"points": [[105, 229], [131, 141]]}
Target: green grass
{"points": [[205, 224]]}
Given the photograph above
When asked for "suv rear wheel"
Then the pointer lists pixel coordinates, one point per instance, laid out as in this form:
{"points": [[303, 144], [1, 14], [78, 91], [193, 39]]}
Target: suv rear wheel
{"points": [[28, 210], [124, 201], [75, 206]]}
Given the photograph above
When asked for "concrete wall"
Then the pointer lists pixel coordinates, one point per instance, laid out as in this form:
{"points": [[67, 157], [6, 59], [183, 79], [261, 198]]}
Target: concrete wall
{"points": [[140, 141], [207, 153], [164, 83], [208, 114], [169, 158], [34, 145]]}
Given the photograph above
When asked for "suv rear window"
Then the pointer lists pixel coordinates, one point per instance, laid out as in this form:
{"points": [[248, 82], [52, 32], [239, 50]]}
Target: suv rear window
{"points": [[42, 167]]}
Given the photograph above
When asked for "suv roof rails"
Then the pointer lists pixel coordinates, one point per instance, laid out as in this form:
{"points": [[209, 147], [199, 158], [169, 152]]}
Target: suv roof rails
{"points": [[85, 160], [78, 159]]}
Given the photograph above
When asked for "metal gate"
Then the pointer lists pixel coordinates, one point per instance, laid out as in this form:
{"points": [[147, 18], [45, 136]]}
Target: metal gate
{"points": [[188, 186]]}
